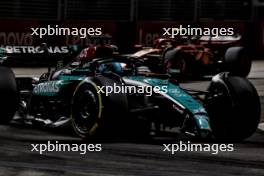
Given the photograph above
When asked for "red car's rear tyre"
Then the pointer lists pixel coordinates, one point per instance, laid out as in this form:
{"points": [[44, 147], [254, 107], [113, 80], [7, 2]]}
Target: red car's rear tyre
{"points": [[174, 58], [238, 61]]}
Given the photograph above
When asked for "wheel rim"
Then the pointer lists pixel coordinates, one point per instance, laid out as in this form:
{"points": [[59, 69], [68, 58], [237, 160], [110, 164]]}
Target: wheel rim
{"points": [[85, 113]]}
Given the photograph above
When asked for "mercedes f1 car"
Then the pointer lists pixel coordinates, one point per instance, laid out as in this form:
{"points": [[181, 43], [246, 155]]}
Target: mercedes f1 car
{"points": [[197, 56], [78, 95]]}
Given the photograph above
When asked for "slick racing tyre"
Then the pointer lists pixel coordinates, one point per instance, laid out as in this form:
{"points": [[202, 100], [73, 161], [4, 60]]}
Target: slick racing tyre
{"points": [[95, 114], [238, 61], [9, 97], [233, 107], [174, 58]]}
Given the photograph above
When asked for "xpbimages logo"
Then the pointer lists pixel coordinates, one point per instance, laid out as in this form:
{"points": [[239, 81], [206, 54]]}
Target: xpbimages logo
{"points": [[130, 89], [197, 31], [191, 147], [60, 147], [56, 30]]}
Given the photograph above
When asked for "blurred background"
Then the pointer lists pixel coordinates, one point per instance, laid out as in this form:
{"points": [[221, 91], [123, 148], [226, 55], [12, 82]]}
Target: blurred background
{"points": [[128, 22]]}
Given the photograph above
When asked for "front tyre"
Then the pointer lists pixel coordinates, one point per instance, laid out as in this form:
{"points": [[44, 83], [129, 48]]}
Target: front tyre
{"points": [[9, 96], [86, 110], [233, 107], [95, 114]]}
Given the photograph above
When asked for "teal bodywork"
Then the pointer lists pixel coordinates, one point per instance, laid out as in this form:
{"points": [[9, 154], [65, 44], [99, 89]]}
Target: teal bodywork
{"points": [[49, 88], [54, 87], [175, 93]]}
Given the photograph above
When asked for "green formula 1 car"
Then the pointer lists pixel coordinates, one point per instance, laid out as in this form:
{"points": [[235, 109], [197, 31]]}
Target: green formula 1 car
{"points": [[108, 96]]}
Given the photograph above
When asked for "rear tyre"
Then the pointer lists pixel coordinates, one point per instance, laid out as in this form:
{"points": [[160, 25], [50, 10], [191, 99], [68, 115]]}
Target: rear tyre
{"points": [[233, 108], [9, 97], [175, 59], [238, 61]]}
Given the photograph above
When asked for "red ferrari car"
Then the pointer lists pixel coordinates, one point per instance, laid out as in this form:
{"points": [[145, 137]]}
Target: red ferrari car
{"points": [[197, 55]]}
